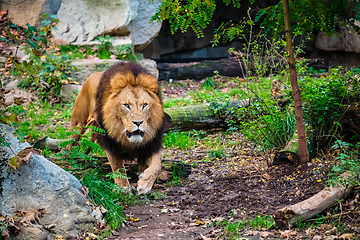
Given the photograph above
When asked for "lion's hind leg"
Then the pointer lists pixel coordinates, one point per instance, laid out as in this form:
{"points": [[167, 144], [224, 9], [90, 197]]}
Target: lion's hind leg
{"points": [[148, 177], [118, 164]]}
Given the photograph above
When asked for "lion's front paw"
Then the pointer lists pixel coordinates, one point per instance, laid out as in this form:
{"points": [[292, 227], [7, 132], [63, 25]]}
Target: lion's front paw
{"points": [[123, 183], [145, 183]]}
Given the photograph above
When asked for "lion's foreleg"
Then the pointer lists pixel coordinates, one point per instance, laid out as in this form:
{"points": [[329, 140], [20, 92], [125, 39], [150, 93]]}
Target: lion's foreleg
{"points": [[148, 177], [75, 138], [116, 164]]}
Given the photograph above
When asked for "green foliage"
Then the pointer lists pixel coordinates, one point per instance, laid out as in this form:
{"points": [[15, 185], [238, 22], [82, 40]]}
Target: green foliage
{"points": [[76, 52], [196, 14], [208, 83], [3, 226], [348, 161], [117, 174], [266, 124], [44, 70], [45, 73], [216, 154], [103, 192], [182, 140], [177, 174], [231, 230], [42, 115], [126, 53], [326, 100], [307, 16], [103, 49]]}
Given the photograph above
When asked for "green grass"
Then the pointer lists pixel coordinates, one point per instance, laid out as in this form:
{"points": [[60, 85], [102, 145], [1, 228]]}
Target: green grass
{"points": [[43, 119], [208, 94], [182, 140], [231, 229], [103, 192]]}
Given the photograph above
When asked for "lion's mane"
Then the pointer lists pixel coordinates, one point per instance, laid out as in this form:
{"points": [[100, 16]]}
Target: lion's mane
{"points": [[126, 74]]}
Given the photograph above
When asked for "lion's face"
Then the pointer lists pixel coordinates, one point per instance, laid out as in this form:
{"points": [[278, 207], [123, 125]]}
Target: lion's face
{"points": [[133, 116]]}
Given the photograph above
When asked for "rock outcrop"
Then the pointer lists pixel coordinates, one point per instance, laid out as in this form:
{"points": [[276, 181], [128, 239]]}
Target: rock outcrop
{"points": [[89, 66], [41, 186], [347, 40], [81, 21]]}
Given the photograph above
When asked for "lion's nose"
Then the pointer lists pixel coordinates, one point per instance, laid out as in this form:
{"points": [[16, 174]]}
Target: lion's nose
{"points": [[138, 123]]}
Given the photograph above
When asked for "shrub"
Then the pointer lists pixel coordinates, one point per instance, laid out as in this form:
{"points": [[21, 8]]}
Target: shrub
{"points": [[326, 100]]}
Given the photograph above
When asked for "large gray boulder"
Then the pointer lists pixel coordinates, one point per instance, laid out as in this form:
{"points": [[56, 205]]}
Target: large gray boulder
{"points": [[40, 184], [346, 40], [30, 11], [89, 66], [81, 21]]}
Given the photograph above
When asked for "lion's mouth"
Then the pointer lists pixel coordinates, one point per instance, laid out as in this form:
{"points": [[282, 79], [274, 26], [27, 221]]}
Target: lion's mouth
{"points": [[134, 133]]}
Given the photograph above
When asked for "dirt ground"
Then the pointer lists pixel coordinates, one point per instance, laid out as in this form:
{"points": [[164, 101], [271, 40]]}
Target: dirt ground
{"points": [[235, 188], [239, 186]]}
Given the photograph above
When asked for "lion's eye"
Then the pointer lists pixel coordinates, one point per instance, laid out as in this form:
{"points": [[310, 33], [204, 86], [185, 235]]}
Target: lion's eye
{"points": [[144, 105], [127, 105]]}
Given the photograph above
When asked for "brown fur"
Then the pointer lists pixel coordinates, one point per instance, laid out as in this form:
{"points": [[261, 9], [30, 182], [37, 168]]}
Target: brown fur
{"points": [[123, 100]]}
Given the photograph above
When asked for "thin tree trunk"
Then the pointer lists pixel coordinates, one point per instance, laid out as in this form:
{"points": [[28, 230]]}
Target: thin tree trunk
{"points": [[303, 151]]}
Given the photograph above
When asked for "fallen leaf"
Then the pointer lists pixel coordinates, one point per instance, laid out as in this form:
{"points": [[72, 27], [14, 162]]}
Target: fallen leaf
{"points": [[174, 209], [347, 236], [267, 176], [32, 216], [265, 234], [59, 237], [204, 237], [165, 210], [287, 233], [218, 219], [251, 233], [17, 161], [309, 231], [19, 100], [23, 157], [133, 219], [199, 222]]}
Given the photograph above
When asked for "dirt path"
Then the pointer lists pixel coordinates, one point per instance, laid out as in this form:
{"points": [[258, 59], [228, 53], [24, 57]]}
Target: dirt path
{"points": [[236, 187]]}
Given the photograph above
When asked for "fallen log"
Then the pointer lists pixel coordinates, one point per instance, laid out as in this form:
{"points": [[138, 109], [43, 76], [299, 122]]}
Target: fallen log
{"points": [[51, 144], [187, 118], [202, 117], [290, 152], [290, 215]]}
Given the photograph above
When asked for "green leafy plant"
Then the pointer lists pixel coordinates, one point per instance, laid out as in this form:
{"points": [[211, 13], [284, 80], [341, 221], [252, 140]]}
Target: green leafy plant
{"points": [[44, 70], [231, 229], [103, 192], [325, 102], [177, 174], [76, 52], [126, 53], [216, 154], [208, 83], [117, 174], [347, 161], [265, 123], [103, 49]]}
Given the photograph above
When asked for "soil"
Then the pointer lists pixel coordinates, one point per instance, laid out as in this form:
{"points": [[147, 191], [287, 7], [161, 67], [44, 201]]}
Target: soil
{"points": [[242, 185]]}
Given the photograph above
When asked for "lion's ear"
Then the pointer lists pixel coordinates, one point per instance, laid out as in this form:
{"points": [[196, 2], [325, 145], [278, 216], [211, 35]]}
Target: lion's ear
{"points": [[167, 121]]}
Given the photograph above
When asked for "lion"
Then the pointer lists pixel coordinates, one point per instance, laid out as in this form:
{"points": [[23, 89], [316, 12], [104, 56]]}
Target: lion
{"points": [[125, 101]]}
